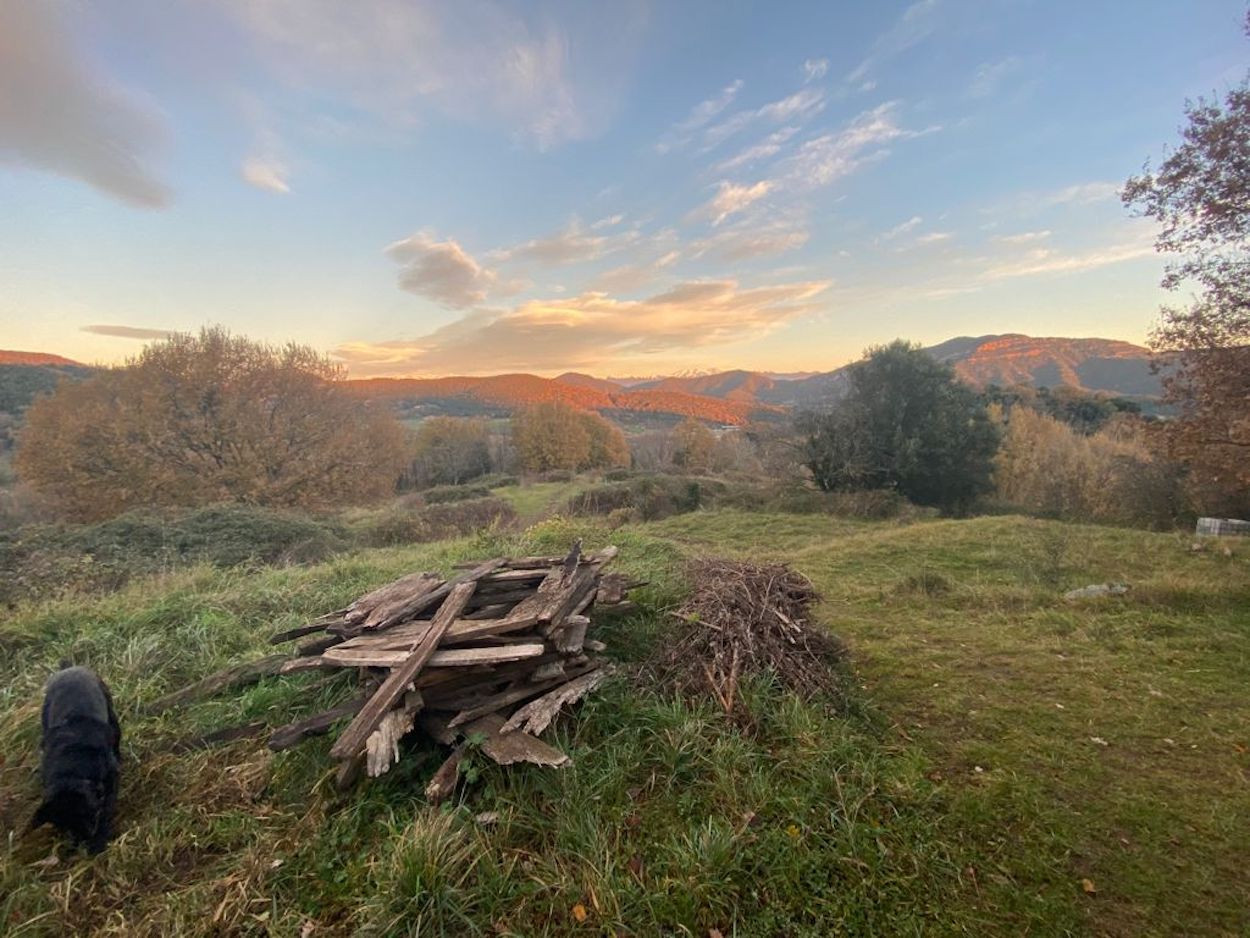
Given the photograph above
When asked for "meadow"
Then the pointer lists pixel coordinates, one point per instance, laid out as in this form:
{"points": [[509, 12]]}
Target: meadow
{"points": [[1005, 762]]}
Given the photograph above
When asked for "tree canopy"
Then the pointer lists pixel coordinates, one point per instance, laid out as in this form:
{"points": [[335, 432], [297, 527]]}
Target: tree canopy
{"points": [[1200, 196], [554, 435], [198, 419], [906, 423]]}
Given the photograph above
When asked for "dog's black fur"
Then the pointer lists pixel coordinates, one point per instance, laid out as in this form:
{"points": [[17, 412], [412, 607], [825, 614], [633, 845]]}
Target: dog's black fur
{"points": [[81, 757]]}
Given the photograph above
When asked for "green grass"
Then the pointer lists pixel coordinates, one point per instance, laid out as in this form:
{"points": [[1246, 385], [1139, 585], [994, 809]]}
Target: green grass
{"points": [[535, 501], [962, 793]]}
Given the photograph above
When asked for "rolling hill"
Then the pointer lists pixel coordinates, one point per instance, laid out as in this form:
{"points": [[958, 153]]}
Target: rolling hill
{"points": [[500, 394], [733, 397], [10, 357]]}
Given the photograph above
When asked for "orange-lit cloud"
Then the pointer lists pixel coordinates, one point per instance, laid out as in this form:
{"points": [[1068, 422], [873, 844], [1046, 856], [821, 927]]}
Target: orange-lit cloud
{"points": [[591, 329]]}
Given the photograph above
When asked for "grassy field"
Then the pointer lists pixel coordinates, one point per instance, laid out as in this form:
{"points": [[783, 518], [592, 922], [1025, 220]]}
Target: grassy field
{"points": [[1004, 753]]}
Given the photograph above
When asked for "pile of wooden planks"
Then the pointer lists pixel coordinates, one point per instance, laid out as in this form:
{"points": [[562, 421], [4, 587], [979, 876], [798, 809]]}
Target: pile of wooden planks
{"points": [[492, 653]]}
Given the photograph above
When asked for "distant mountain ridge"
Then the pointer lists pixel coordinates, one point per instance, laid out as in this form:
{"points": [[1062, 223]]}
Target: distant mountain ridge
{"points": [[10, 357], [735, 397]]}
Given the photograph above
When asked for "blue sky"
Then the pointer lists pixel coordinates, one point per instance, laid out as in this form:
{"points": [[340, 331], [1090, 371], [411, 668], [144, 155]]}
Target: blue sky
{"points": [[621, 188]]}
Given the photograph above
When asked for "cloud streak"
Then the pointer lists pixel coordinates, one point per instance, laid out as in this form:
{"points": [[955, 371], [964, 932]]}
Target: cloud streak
{"points": [[590, 329], [59, 117], [484, 62], [128, 332]]}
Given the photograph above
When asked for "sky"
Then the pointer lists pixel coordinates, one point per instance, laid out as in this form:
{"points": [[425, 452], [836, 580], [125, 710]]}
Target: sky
{"points": [[621, 188]]}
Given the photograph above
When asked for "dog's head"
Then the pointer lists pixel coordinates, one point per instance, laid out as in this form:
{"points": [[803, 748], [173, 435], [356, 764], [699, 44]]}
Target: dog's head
{"points": [[73, 808]]}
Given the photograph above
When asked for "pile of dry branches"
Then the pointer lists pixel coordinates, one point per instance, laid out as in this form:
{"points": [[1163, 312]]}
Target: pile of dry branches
{"points": [[492, 654], [745, 619]]}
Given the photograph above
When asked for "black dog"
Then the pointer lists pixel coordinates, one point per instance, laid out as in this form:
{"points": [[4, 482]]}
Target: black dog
{"points": [[81, 757]]}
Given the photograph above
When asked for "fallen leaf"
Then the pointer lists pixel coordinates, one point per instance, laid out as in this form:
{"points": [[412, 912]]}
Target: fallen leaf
{"points": [[1088, 886], [1099, 741], [579, 912]]}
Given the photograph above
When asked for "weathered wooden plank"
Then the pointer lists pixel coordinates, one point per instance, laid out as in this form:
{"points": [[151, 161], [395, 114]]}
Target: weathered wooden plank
{"points": [[382, 746], [349, 772], [231, 678], [317, 645], [524, 563], [514, 694], [443, 782], [510, 748], [571, 637], [227, 734], [404, 587], [402, 603], [443, 658], [284, 737], [537, 715], [410, 609], [301, 631], [311, 663], [366, 721]]}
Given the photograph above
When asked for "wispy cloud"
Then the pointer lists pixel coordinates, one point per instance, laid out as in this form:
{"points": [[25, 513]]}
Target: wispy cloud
{"points": [[699, 116], [768, 147], [822, 160], [441, 270], [1024, 237], [1045, 261], [590, 329], [915, 25], [572, 245], [730, 199], [933, 237], [58, 116], [990, 76], [795, 108], [484, 62], [751, 240], [814, 69], [266, 174], [128, 332], [902, 228]]}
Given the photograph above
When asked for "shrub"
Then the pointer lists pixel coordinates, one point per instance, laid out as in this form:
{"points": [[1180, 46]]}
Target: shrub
{"points": [[448, 451], [198, 420], [1048, 469], [44, 560], [647, 498], [436, 522], [441, 494]]}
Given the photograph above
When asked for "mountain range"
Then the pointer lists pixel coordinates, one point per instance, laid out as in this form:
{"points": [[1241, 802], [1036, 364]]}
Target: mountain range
{"points": [[1106, 366]]}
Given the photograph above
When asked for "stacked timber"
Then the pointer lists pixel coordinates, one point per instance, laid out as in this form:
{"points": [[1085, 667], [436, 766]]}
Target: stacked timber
{"points": [[492, 653]]}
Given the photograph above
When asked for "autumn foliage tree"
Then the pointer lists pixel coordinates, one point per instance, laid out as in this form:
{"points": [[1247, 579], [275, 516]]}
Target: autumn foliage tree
{"points": [[448, 451], [1200, 196], [553, 435], [693, 446], [200, 419]]}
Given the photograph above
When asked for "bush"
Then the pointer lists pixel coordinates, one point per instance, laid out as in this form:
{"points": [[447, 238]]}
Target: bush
{"points": [[199, 420], [442, 494], [436, 522], [648, 497], [45, 560], [1048, 469]]}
